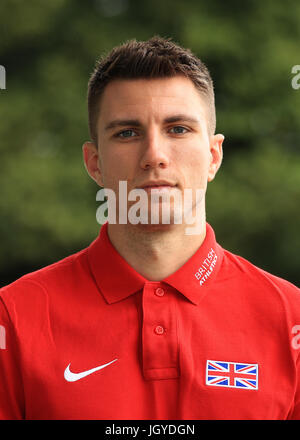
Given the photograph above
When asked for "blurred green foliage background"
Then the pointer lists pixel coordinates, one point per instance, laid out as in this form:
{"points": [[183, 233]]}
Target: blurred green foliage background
{"points": [[48, 202]]}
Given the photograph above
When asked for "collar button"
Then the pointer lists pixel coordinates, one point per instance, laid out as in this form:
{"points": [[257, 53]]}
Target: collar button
{"points": [[159, 291]]}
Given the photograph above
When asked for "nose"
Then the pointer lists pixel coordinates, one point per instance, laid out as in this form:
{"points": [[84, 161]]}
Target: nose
{"points": [[155, 153]]}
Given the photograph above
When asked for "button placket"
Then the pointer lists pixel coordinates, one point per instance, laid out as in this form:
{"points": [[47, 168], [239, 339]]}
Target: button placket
{"points": [[159, 337]]}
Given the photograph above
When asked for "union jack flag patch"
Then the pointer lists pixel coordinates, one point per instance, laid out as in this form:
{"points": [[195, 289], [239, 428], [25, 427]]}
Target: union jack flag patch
{"points": [[232, 375]]}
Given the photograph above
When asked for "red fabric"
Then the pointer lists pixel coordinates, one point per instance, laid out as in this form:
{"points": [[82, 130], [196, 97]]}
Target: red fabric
{"points": [[92, 308]]}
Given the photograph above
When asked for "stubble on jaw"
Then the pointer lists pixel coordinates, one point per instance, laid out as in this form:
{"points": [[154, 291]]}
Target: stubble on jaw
{"points": [[148, 240]]}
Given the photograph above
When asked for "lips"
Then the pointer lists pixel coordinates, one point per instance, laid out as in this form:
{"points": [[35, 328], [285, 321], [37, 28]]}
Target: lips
{"points": [[157, 189], [157, 184]]}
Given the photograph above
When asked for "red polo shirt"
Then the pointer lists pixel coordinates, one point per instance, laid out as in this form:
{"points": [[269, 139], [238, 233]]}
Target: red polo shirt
{"points": [[90, 338]]}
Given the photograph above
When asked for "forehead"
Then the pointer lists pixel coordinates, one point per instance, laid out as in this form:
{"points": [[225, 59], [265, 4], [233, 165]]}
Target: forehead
{"points": [[132, 98]]}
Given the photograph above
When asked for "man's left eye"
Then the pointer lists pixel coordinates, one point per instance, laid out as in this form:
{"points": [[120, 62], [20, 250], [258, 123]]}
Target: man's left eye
{"points": [[178, 129]]}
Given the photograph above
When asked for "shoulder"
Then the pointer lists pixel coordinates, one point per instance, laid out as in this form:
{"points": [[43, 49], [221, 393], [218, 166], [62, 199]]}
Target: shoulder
{"points": [[243, 266], [264, 284], [45, 279]]}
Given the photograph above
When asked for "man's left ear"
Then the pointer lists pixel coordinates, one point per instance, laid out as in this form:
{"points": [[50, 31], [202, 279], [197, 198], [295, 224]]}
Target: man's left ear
{"points": [[216, 155]]}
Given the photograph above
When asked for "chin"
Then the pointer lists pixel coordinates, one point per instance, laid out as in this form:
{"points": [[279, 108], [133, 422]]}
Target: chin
{"points": [[149, 228]]}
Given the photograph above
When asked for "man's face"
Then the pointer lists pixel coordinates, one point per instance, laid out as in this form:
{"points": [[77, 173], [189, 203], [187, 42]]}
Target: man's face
{"points": [[153, 130]]}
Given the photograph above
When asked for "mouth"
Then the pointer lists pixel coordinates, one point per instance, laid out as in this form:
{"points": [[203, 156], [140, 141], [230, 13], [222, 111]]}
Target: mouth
{"points": [[158, 186]]}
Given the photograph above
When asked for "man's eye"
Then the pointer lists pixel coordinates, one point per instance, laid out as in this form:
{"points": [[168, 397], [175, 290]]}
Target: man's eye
{"points": [[178, 129], [126, 134]]}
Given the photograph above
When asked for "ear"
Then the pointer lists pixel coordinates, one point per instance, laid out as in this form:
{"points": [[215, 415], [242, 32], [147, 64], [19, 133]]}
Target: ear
{"points": [[92, 162], [216, 155]]}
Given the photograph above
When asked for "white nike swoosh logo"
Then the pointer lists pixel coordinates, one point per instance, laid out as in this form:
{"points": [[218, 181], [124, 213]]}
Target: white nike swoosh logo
{"points": [[72, 377]]}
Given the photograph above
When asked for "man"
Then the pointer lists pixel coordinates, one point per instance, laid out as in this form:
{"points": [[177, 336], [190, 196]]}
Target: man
{"points": [[151, 321]]}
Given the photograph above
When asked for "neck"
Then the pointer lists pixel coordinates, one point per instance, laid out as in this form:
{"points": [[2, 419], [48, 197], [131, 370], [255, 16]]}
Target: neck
{"points": [[156, 251]]}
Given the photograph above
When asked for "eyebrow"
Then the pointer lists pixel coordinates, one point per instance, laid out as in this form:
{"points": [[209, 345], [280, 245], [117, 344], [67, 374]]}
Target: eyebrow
{"points": [[137, 123]]}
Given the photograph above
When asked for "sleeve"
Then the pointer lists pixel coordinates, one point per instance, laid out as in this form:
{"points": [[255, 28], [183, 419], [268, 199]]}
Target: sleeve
{"points": [[294, 413], [11, 386]]}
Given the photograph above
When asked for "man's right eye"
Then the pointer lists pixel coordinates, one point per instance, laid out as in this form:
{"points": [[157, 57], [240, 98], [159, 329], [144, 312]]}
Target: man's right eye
{"points": [[126, 133]]}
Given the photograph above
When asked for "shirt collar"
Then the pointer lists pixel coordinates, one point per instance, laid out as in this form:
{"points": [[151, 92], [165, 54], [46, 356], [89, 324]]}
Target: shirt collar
{"points": [[116, 279]]}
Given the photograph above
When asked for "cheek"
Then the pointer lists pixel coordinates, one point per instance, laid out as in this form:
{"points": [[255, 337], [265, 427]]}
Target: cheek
{"points": [[116, 166], [194, 165]]}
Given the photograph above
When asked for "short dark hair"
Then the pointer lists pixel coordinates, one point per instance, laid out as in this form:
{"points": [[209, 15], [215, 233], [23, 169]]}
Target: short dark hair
{"points": [[156, 58]]}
